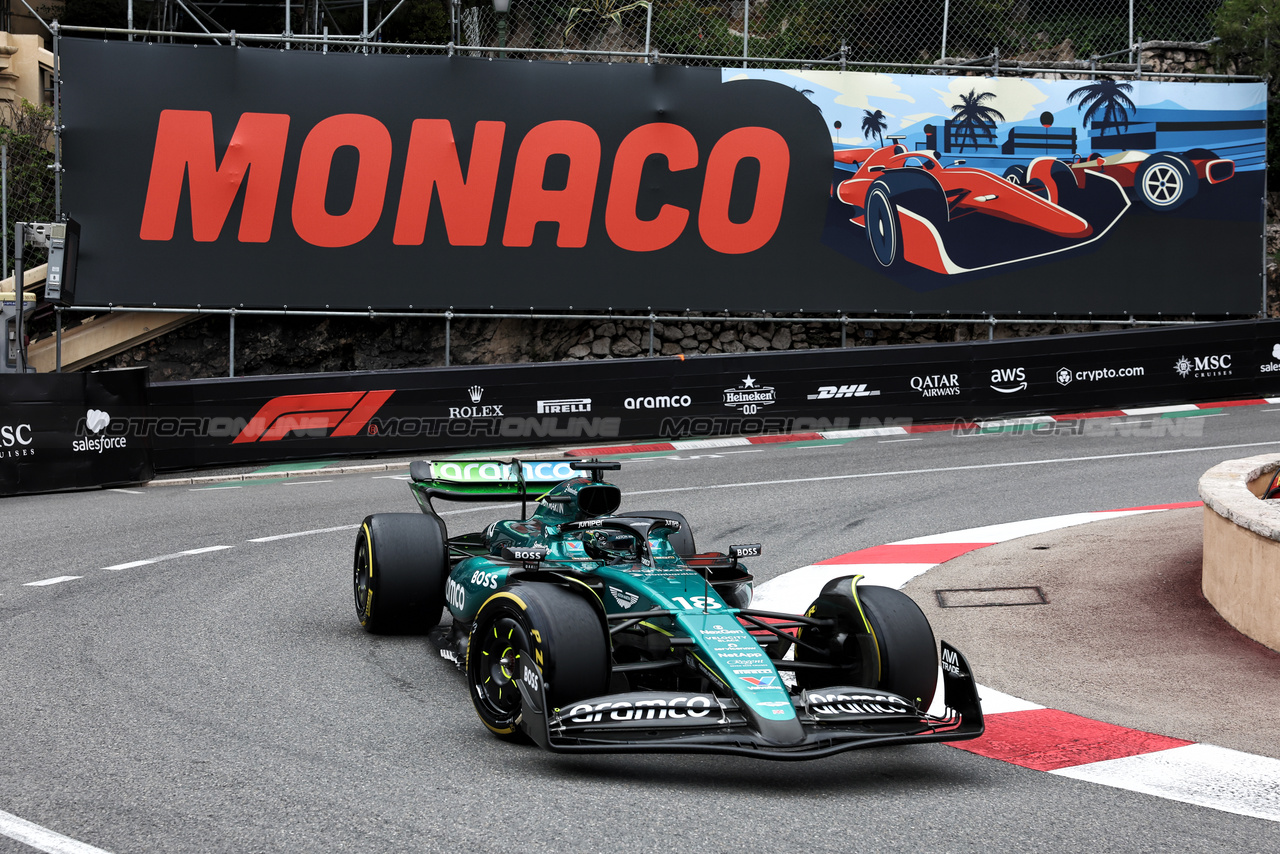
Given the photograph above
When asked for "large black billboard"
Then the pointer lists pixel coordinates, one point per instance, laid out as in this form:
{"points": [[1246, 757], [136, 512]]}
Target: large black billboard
{"points": [[260, 419], [220, 176]]}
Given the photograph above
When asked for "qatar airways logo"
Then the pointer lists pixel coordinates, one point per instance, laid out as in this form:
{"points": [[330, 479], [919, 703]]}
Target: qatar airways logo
{"points": [[253, 167]]}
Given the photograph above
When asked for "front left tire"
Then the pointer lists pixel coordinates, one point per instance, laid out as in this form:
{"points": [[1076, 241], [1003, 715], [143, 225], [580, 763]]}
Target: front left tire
{"points": [[401, 562]]}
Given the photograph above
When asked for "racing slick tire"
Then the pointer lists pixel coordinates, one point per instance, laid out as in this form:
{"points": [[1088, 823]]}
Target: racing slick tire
{"points": [[903, 639], [558, 628], [401, 562], [911, 189], [681, 540], [1165, 181]]}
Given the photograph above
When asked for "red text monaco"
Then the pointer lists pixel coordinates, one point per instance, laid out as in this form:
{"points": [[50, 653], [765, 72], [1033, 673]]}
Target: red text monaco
{"points": [[253, 165]]}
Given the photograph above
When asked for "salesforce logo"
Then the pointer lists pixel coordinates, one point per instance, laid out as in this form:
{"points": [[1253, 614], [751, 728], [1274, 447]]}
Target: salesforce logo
{"points": [[97, 420], [1272, 366]]}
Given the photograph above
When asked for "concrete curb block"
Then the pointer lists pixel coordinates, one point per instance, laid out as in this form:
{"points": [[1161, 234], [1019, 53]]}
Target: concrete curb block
{"points": [[1225, 490]]}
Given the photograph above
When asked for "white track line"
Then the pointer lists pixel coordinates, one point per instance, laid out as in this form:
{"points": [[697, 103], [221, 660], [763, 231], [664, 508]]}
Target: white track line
{"points": [[303, 533], [145, 561], [900, 472], [46, 582], [41, 838]]}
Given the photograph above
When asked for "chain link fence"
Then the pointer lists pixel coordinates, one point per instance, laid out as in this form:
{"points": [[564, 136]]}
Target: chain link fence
{"points": [[26, 134], [896, 33]]}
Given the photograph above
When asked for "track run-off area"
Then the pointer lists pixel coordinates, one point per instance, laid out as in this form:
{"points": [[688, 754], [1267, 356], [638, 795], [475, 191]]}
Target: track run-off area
{"points": [[183, 670]]}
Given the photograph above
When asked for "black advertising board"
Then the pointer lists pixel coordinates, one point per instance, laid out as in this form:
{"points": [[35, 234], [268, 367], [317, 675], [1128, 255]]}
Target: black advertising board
{"points": [[260, 419], [264, 178], [67, 431]]}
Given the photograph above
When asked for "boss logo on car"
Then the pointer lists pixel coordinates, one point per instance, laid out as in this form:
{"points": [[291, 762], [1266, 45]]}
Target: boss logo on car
{"points": [[485, 579], [530, 677]]}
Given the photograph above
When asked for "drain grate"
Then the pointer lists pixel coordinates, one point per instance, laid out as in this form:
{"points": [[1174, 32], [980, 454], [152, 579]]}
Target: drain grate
{"points": [[990, 597]]}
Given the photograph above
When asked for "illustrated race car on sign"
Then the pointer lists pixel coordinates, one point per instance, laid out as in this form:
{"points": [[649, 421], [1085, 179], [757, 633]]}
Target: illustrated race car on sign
{"points": [[959, 219], [592, 631], [1164, 181]]}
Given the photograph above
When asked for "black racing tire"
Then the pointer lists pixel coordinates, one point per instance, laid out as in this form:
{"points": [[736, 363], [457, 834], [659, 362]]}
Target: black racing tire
{"points": [[1016, 174], [884, 228], [1165, 181], [681, 540], [904, 659], [558, 627], [401, 563]]}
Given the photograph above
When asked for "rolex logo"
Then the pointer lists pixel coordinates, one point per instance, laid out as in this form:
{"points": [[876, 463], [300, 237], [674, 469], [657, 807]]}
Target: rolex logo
{"points": [[476, 393]]}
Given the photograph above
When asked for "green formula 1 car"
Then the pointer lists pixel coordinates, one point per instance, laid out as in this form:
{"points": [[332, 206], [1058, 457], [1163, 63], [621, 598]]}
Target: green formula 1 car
{"points": [[588, 631]]}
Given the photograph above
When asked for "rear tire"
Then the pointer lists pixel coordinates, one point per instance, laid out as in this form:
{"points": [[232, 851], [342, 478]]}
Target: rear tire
{"points": [[401, 562], [559, 629], [901, 658]]}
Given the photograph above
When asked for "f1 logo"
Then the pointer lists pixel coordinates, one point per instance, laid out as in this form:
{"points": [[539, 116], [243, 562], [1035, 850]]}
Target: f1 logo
{"points": [[346, 411]]}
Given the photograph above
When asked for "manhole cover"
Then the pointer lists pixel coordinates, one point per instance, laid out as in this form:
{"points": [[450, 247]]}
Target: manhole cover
{"points": [[990, 597]]}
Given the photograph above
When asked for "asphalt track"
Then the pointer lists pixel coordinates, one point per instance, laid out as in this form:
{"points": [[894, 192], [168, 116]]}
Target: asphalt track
{"points": [[193, 678]]}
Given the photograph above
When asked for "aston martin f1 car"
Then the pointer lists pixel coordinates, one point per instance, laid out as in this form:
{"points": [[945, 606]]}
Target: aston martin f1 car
{"points": [[588, 630]]}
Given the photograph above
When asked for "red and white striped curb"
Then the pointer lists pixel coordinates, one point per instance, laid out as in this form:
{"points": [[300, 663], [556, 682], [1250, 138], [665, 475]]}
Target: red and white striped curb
{"points": [[896, 430], [1032, 736]]}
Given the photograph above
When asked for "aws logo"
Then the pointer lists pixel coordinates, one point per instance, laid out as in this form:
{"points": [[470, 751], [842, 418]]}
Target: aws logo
{"points": [[1008, 380]]}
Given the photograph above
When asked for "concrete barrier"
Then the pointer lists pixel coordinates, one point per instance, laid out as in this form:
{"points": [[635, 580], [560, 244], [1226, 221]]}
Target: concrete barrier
{"points": [[1241, 576]]}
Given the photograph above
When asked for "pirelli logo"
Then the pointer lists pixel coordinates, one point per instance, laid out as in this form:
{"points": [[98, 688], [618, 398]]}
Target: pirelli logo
{"points": [[347, 412]]}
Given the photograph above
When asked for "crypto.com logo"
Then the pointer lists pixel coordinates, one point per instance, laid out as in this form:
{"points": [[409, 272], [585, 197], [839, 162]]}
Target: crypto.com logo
{"points": [[346, 411]]}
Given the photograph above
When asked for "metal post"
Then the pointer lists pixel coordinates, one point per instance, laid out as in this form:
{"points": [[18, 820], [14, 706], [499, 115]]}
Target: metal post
{"points": [[57, 339], [448, 323], [502, 35], [746, 28], [648, 28], [57, 124], [364, 27], [288, 23], [652, 317], [4, 210], [991, 328], [946, 16], [19, 304], [1131, 60], [231, 346], [844, 331], [130, 20]]}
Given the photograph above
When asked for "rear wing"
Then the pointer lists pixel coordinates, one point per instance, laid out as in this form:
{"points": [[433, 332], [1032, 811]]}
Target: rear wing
{"points": [[487, 480]]}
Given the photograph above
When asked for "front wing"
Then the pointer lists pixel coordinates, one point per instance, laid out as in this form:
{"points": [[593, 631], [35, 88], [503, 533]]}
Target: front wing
{"points": [[833, 719]]}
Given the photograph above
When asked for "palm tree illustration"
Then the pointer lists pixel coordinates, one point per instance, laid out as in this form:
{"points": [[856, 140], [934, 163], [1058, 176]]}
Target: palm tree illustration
{"points": [[874, 124], [1108, 97], [973, 117]]}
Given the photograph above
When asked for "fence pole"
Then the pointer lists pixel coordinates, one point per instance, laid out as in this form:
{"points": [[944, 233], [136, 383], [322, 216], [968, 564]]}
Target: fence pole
{"points": [[1131, 32], [746, 28], [288, 23], [4, 210], [57, 339], [57, 124], [946, 16], [652, 318], [648, 29], [448, 323], [844, 330], [231, 346]]}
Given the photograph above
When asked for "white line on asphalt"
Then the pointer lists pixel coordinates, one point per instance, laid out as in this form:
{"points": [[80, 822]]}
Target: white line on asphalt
{"points": [[390, 477], [1210, 415], [42, 838], [145, 561], [1052, 461], [48, 581], [210, 488], [303, 482], [303, 533], [888, 441], [130, 491]]}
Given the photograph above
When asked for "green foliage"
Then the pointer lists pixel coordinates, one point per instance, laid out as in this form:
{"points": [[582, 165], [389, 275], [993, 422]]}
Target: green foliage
{"points": [[27, 132], [1250, 37]]}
